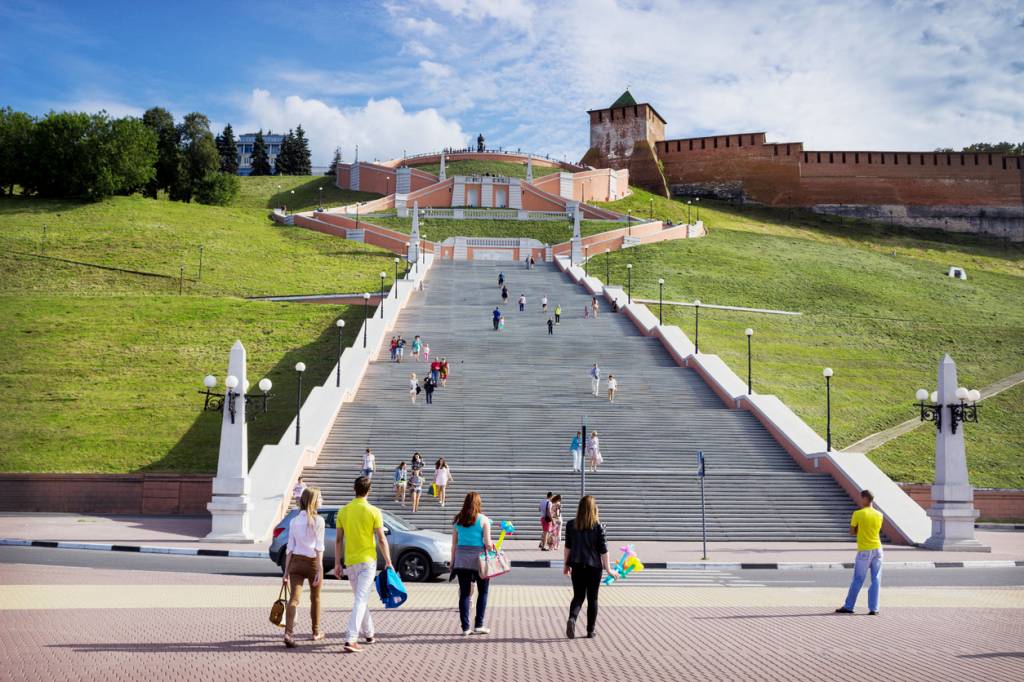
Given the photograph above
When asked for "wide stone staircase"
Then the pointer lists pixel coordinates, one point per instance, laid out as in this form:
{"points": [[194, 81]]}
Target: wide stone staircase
{"points": [[516, 397]]}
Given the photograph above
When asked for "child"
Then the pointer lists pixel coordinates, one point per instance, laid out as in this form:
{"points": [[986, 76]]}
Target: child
{"points": [[416, 484], [555, 508], [426, 353], [501, 323], [444, 372], [401, 479], [586, 312]]}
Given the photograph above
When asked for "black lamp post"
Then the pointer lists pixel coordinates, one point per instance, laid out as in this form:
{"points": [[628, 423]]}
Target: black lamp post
{"points": [[749, 332], [423, 238], [607, 272], [698, 208], [696, 326], [383, 276], [300, 367], [661, 291], [688, 205], [215, 402], [629, 282], [586, 261], [652, 209], [320, 203], [366, 315], [396, 278], [341, 330], [827, 372]]}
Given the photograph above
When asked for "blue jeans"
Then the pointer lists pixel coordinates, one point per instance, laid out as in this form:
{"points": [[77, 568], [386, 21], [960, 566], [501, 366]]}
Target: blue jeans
{"points": [[466, 579], [868, 559]]}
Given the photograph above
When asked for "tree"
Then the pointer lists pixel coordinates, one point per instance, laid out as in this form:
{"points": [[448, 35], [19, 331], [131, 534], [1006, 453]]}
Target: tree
{"points": [[284, 164], [161, 122], [1008, 148], [227, 146], [260, 160], [199, 156], [130, 149], [302, 163], [333, 168], [15, 147], [218, 189]]}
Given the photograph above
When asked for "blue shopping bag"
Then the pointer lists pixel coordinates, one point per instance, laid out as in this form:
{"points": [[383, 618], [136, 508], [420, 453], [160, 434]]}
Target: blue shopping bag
{"points": [[390, 589]]}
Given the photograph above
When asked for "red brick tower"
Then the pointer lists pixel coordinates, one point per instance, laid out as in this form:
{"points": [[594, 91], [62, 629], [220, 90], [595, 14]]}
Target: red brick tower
{"points": [[624, 136]]}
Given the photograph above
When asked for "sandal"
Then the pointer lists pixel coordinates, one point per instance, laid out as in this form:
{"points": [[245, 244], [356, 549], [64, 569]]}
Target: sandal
{"points": [[317, 637], [289, 642]]}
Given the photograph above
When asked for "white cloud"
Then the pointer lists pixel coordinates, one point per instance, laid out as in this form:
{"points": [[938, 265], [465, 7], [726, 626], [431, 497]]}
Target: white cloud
{"points": [[435, 70], [421, 27], [518, 12], [383, 128], [416, 49]]}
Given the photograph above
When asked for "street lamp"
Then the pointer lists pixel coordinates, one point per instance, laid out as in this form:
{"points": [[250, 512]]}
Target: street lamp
{"points": [[586, 261], [629, 282], [366, 315], [966, 411], [607, 272], [698, 208], [688, 205], [652, 208], [341, 330], [300, 367], [696, 326], [215, 401], [383, 276], [423, 238], [661, 290], [321, 202], [827, 372], [749, 332], [396, 276]]}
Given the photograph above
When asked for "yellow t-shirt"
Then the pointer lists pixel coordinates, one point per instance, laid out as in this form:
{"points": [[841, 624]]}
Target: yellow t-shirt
{"points": [[359, 519], [869, 523]]}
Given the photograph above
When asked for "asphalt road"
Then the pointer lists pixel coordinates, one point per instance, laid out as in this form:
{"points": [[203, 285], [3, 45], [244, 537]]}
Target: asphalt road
{"points": [[896, 577]]}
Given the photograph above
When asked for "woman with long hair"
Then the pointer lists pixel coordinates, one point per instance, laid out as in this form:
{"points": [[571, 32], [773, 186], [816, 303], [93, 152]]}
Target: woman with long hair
{"points": [[442, 477], [471, 537], [586, 553], [305, 561]]}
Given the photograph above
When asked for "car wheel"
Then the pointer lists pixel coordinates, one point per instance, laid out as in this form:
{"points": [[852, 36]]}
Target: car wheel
{"points": [[414, 566]]}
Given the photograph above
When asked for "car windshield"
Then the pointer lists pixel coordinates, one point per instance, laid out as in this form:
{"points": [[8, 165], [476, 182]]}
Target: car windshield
{"points": [[398, 523]]}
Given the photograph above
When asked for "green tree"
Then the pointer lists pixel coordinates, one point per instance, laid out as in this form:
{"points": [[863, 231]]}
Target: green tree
{"points": [[199, 156], [129, 149], [15, 147], [333, 168], [301, 158], [1008, 148], [227, 146], [218, 189], [161, 122], [260, 160], [284, 164]]}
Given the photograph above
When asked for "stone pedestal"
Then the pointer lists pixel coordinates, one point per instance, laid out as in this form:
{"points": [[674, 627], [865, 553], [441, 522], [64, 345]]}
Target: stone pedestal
{"points": [[230, 506], [414, 238], [952, 511]]}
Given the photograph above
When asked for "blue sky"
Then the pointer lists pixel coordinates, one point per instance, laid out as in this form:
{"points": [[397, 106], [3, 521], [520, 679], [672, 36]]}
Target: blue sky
{"points": [[420, 74]]}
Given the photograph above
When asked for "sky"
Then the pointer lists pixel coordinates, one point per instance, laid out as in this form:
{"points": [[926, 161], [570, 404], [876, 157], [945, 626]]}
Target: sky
{"points": [[412, 76]]}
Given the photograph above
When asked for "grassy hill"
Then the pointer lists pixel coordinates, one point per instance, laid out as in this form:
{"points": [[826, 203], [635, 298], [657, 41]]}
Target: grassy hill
{"points": [[877, 308], [470, 167], [273, 191], [103, 358], [547, 231]]}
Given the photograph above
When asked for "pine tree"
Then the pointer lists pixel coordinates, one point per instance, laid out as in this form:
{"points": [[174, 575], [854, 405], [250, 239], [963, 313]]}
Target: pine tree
{"points": [[260, 160], [285, 163], [302, 164], [199, 156], [227, 146], [333, 168], [160, 121]]}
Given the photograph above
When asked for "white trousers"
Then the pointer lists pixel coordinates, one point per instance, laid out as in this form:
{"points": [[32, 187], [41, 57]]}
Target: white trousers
{"points": [[577, 460], [595, 385], [360, 578]]}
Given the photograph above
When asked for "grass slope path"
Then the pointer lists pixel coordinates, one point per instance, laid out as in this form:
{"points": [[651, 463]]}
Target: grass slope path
{"points": [[877, 307], [101, 367]]}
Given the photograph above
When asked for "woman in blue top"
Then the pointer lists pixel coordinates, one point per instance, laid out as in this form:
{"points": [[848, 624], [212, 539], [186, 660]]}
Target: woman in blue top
{"points": [[471, 537]]}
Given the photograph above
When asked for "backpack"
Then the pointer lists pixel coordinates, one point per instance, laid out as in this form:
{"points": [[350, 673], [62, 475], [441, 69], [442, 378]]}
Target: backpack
{"points": [[390, 589]]}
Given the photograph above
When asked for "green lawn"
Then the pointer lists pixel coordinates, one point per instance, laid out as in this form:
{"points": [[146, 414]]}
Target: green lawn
{"points": [[512, 170], [547, 231], [878, 309], [995, 446], [101, 367], [273, 191]]}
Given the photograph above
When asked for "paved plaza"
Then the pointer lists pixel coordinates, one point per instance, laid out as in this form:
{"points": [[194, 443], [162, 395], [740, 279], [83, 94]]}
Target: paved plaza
{"points": [[69, 623]]}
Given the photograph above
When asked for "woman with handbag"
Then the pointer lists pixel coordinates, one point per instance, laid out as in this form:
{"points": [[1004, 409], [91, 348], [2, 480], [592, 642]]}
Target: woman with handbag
{"points": [[586, 553], [305, 561], [471, 537]]}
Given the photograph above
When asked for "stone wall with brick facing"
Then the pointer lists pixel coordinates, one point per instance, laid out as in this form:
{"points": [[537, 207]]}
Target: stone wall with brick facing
{"points": [[995, 504], [106, 493]]}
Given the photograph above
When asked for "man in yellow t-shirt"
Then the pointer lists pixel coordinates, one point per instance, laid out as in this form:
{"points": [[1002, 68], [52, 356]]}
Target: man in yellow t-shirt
{"points": [[866, 524], [358, 523]]}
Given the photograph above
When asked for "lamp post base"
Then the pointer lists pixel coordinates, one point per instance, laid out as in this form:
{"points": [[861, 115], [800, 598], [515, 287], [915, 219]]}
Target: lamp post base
{"points": [[953, 528], [230, 519]]}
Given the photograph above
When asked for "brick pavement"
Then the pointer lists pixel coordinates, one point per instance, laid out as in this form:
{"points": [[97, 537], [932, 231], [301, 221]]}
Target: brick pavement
{"points": [[216, 628]]}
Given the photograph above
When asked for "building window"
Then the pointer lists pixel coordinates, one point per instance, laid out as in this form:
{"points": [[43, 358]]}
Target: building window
{"points": [[844, 157], [691, 145], [727, 140], [702, 145], [716, 142]]}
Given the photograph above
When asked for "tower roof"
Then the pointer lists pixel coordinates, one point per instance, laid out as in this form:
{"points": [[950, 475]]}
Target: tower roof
{"points": [[624, 100]]}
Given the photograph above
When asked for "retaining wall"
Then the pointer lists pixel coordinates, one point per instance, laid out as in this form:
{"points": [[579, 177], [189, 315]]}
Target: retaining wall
{"points": [[106, 493]]}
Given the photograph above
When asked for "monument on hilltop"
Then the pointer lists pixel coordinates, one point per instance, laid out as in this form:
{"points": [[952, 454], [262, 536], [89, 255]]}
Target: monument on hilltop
{"points": [[480, 142]]}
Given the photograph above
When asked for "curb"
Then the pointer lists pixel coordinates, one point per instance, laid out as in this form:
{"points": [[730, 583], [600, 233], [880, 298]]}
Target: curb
{"points": [[656, 565]]}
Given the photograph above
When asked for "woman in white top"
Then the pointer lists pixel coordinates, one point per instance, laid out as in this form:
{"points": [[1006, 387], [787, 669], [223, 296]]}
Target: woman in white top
{"points": [[594, 451], [305, 561], [613, 385], [442, 477], [414, 387]]}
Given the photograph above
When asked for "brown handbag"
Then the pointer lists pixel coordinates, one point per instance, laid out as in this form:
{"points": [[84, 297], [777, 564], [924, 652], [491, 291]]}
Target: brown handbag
{"points": [[277, 610]]}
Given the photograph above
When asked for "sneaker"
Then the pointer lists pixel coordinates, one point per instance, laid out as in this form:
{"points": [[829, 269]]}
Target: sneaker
{"points": [[591, 635], [352, 648], [872, 613], [570, 628], [467, 633], [481, 631], [370, 640], [843, 609]]}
